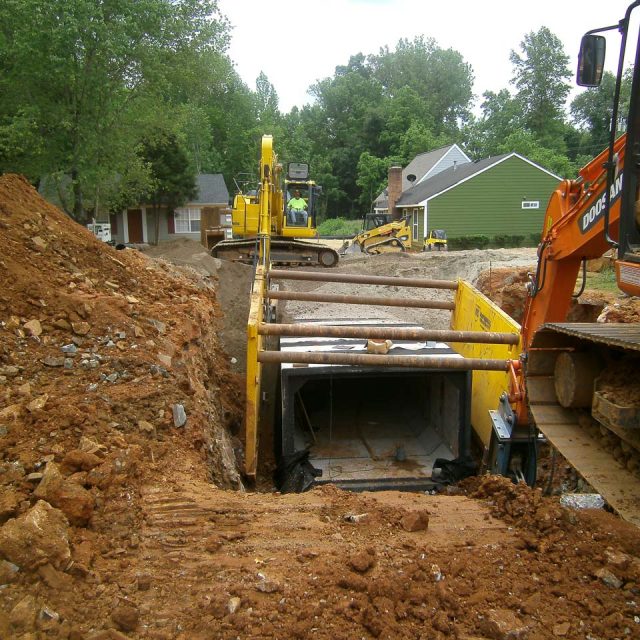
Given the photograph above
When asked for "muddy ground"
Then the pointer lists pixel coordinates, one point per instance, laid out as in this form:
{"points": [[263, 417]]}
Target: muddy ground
{"points": [[123, 514]]}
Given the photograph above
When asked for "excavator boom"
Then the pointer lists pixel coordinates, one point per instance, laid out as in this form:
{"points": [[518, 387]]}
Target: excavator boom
{"points": [[579, 382]]}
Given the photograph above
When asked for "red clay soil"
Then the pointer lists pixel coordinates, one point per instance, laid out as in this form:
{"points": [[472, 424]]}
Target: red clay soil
{"points": [[116, 523], [506, 286]]}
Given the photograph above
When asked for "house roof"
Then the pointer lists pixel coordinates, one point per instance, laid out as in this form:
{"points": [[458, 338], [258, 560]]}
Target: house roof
{"points": [[420, 166], [211, 189], [452, 176]]}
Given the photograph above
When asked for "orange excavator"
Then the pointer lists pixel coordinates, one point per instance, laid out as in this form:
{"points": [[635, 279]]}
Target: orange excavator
{"points": [[563, 367]]}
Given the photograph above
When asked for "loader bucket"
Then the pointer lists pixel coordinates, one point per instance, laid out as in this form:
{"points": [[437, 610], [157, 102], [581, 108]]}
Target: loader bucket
{"points": [[350, 248]]}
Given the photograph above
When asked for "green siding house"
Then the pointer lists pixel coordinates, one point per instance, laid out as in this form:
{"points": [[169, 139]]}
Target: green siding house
{"points": [[503, 195]]}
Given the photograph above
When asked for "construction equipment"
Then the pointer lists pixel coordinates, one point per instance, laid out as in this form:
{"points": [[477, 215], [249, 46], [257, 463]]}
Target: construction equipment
{"points": [[437, 239], [286, 226], [567, 366], [380, 234]]}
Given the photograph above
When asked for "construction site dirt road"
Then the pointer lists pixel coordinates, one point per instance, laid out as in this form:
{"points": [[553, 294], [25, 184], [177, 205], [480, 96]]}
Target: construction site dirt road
{"points": [[123, 513]]}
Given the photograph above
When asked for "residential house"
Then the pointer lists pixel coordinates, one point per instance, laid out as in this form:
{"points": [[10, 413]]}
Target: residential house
{"points": [[502, 195], [421, 168], [139, 224]]}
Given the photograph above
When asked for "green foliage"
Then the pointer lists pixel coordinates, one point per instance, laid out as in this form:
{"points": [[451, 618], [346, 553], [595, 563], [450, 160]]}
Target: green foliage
{"points": [[502, 241], [469, 242], [372, 174], [591, 111], [340, 227], [505, 241], [80, 80], [541, 77], [525, 143], [172, 181]]}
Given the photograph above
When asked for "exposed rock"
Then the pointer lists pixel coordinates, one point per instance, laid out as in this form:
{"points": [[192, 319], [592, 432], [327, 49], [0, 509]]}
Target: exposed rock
{"points": [[11, 412], [37, 403], [561, 629], [164, 360], [53, 361], [77, 460], [415, 521], [39, 536], [23, 615], [33, 328], [8, 572], [233, 605], [63, 324], [90, 446], [81, 328], [609, 578], [503, 624], [39, 242], [9, 501], [179, 415], [145, 426], [126, 618], [55, 579], [362, 561], [72, 499]]}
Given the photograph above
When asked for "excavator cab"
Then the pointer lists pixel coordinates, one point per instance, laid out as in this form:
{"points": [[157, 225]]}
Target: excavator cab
{"points": [[301, 197]]}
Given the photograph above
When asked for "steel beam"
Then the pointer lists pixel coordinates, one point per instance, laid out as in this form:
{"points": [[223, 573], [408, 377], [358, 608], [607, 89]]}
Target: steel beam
{"points": [[372, 300], [368, 360], [381, 332], [316, 276]]}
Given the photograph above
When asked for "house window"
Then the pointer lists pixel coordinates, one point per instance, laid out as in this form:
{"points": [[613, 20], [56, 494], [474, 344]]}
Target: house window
{"points": [[531, 204], [415, 224], [187, 220]]}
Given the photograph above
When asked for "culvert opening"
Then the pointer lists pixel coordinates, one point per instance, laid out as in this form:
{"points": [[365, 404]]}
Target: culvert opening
{"points": [[373, 428]]}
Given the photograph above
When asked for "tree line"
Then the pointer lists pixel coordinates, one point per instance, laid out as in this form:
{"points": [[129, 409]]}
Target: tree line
{"points": [[116, 102]]}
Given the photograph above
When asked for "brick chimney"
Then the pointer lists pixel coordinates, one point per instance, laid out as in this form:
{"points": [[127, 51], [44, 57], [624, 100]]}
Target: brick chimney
{"points": [[395, 190]]}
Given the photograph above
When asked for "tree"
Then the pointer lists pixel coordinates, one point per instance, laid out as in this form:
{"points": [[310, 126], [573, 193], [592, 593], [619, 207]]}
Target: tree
{"points": [[172, 180], [501, 117], [440, 77], [372, 174], [79, 79], [592, 110], [541, 75], [526, 144]]}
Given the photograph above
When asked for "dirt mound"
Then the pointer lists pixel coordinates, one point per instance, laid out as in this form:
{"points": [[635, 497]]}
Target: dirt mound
{"points": [[506, 286], [110, 368], [626, 310]]}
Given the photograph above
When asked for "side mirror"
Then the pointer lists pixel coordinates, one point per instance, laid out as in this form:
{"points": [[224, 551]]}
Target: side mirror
{"points": [[591, 60]]}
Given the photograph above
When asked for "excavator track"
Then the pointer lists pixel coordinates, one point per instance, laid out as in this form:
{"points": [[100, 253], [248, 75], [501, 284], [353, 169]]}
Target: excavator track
{"points": [[388, 245], [571, 431], [284, 252]]}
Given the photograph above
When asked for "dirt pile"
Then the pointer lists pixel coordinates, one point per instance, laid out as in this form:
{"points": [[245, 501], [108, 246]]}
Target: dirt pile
{"points": [[506, 286], [110, 368]]}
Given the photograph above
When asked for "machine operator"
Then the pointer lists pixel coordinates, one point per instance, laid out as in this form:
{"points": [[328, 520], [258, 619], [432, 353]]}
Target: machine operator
{"points": [[297, 209]]}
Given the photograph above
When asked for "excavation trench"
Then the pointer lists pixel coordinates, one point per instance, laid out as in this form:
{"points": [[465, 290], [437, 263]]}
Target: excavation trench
{"points": [[373, 428]]}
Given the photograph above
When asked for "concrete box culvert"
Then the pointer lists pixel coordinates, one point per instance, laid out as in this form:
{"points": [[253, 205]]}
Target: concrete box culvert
{"points": [[364, 427]]}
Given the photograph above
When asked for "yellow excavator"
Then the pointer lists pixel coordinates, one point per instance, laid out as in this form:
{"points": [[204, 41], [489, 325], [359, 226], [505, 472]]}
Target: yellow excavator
{"points": [[291, 207], [380, 234]]}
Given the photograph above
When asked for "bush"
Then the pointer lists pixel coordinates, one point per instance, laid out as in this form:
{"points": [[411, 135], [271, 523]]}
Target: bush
{"points": [[501, 241], [504, 241], [469, 242], [339, 227]]}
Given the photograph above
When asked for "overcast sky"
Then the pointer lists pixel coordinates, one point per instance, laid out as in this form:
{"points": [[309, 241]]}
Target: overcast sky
{"points": [[298, 42]]}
